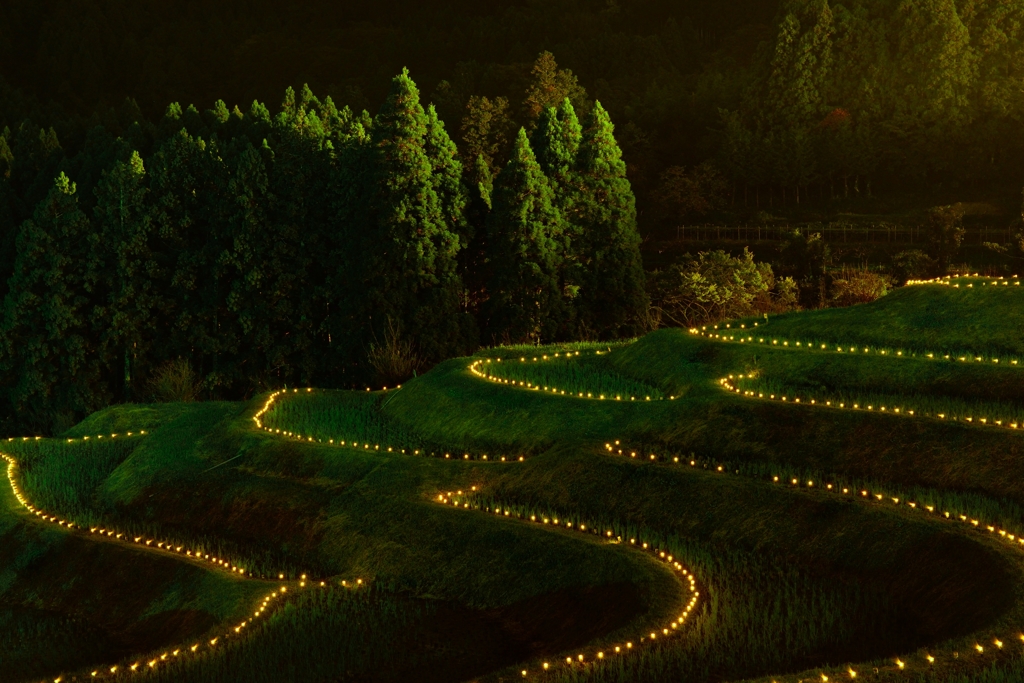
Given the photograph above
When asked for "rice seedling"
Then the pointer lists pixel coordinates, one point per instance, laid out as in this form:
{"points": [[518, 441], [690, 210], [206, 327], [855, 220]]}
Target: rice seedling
{"points": [[756, 613], [34, 641], [63, 477], [980, 318], [571, 375], [355, 419], [322, 633], [952, 408]]}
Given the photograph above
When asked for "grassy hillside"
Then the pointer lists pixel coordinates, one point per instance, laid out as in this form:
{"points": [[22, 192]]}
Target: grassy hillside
{"points": [[440, 565]]}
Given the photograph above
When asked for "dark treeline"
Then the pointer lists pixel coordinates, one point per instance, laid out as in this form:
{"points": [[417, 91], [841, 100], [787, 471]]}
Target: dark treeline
{"points": [[798, 101], [322, 244], [643, 59], [314, 245]]}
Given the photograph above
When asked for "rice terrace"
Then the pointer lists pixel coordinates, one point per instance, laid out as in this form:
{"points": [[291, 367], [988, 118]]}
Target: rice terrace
{"points": [[822, 495], [541, 341]]}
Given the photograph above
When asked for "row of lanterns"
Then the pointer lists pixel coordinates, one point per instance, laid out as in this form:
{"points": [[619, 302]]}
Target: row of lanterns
{"points": [[1013, 539], [478, 368], [364, 446], [465, 501], [729, 384], [142, 663]]}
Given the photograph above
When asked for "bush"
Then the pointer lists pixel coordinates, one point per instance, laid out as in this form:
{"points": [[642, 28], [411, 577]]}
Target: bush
{"points": [[394, 359], [945, 232], [912, 264], [175, 382], [858, 287], [714, 286]]}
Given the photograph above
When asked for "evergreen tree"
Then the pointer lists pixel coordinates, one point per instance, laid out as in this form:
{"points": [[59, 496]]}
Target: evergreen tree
{"points": [[410, 248], [796, 90], [48, 359], [485, 131], [348, 196], [549, 85], [262, 280], [483, 181], [612, 301], [191, 216], [446, 170], [8, 216], [473, 259], [525, 241], [126, 315], [556, 140], [299, 182], [937, 63], [170, 123], [6, 156]]}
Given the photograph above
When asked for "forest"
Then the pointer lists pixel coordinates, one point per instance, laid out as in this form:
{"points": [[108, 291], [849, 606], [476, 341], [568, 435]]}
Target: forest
{"points": [[361, 231]]}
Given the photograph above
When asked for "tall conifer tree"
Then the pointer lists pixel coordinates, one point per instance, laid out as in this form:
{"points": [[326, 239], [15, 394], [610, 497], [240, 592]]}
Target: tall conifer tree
{"points": [[556, 141], [410, 248], [525, 240], [612, 301], [49, 362], [123, 251], [188, 188], [260, 271], [446, 171]]}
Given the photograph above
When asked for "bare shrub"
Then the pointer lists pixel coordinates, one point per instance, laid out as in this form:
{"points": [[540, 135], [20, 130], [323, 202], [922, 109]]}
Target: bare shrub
{"points": [[851, 287], [175, 382], [394, 359]]}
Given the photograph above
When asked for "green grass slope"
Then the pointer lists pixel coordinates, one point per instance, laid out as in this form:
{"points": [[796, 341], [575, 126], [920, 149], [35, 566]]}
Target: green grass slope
{"points": [[795, 581], [978, 315]]}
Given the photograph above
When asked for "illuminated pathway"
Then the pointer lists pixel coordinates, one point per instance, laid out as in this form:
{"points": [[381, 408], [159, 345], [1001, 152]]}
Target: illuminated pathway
{"points": [[1015, 540], [152, 661], [480, 369], [359, 445], [467, 501]]}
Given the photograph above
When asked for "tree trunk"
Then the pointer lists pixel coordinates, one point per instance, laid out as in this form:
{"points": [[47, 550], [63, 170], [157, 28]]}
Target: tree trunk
{"points": [[127, 375]]}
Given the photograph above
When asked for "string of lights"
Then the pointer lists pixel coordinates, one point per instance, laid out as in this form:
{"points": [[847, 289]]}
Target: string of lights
{"points": [[113, 533], [364, 445], [466, 501], [929, 659], [150, 662], [951, 280], [478, 368], [790, 344], [730, 384], [744, 335]]}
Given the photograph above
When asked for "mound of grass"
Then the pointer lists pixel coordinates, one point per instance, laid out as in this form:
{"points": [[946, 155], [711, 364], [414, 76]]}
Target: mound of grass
{"points": [[69, 602], [575, 376], [353, 419], [983, 319], [64, 476]]}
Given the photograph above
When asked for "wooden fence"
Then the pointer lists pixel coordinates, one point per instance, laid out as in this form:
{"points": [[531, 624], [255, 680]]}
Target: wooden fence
{"points": [[833, 233]]}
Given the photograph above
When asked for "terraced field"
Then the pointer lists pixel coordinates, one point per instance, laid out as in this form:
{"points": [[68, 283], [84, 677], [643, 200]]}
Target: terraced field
{"points": [[818, 496]]}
